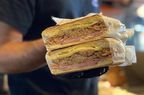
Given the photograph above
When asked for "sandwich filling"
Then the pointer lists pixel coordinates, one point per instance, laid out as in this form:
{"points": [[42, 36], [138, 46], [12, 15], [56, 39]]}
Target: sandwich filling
{"points": [[82, 59], [92, 46], [79, 34], [82, 56]]}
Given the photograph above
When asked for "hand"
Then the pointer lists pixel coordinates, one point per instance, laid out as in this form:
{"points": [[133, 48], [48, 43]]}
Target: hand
{"points": [[86, 74]]}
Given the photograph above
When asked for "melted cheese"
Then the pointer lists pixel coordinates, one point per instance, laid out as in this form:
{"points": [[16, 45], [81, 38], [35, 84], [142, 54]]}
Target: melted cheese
{"points": [[66, 52]]}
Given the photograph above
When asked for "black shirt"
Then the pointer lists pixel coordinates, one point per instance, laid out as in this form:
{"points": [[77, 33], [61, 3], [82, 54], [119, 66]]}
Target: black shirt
{"points": [[31, 17]]}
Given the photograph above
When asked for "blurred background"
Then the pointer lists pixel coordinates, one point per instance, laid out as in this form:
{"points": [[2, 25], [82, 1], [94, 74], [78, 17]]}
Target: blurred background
{"points": [[126, 80], [119, 80]]}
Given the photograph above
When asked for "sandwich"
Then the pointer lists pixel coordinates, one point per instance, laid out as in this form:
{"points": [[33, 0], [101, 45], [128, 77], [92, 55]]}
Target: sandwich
{"points": [[85, 43], [85, 56], [82, 30]]}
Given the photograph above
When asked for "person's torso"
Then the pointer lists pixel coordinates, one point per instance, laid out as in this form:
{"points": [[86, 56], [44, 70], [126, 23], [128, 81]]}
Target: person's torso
{"points": [[41, 82]]}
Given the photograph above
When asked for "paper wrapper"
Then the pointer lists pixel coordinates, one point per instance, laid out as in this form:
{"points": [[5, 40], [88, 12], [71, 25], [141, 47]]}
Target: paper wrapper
{"points": [[118, 31]]}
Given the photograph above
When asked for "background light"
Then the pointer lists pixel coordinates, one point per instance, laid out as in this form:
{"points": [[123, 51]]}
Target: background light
{"points": [[140, 11]]}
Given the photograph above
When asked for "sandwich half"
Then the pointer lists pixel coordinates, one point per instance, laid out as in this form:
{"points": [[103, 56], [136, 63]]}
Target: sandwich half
{"points": [[85, 56], [82, 30]]}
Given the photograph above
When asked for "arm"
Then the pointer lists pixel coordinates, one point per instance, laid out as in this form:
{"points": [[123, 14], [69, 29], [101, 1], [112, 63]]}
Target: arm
{"points": [[17, 56]]}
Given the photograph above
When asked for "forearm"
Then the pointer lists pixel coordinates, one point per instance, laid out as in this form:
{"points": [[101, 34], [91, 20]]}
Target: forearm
{"points": [[17, 57]]}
